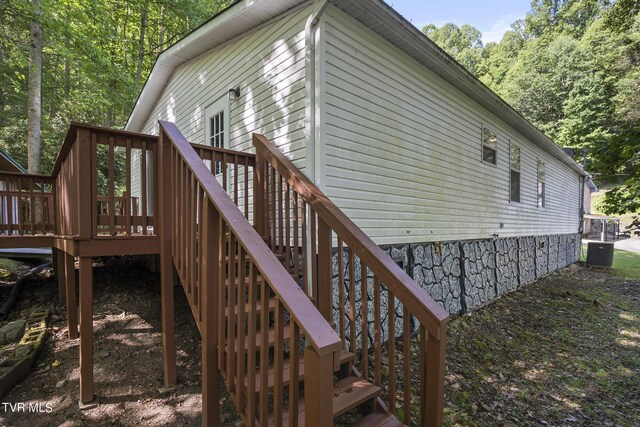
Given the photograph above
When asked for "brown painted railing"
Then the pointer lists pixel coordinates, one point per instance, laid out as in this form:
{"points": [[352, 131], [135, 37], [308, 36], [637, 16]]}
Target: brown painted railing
{"points": [[238, 291], [234, 170], [94, 164], [26, 204], [372, 293]]}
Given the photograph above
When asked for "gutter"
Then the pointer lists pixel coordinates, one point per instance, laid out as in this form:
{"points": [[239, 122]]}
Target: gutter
{"points": [[320, 7]]}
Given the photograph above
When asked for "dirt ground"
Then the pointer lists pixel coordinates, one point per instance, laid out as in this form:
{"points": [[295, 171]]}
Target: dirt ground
{"points": [[564, 351], [127, 357]]}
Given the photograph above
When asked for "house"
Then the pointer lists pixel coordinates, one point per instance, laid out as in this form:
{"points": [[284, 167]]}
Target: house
{"points": [[469, 197], [316, 173]]}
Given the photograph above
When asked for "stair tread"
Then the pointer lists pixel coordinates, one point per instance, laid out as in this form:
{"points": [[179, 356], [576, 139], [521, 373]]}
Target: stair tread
{"points": [[286, 334], [345, 356], [272, 305], [361, 390], [248, 257], [351, 392], [379, 418]]}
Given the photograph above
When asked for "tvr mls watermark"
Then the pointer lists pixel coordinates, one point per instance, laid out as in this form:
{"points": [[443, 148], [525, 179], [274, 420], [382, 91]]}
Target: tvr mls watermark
{"points": [[33, 407]]}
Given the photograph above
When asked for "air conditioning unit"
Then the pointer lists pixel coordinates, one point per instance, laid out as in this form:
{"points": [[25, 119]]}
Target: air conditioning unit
{"points": [[600, 254]]}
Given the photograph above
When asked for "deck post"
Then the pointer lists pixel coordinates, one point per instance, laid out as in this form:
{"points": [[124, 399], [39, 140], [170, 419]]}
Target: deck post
{"points": [[259, 183], [318, 388], [325, 282], [432, 375], [72, 305], [210, 374], [84, 176], [86, 330], [164, 218], [58, 269]]}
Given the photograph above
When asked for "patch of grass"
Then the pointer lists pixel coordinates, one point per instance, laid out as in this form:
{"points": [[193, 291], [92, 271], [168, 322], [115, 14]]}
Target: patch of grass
{"points": [[625, 264], [10, 268]]}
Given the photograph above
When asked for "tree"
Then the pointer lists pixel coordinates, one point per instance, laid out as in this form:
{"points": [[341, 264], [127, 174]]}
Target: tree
{"points": [[95, 58], [572, 67], [35, 87], [464, 43]]}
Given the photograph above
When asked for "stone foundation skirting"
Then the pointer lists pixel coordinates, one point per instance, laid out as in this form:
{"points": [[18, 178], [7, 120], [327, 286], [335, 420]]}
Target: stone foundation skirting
{"points": [[462, 276]]}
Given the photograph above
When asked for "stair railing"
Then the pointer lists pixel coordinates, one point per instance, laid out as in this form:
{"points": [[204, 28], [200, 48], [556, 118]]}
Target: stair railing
{"points": [[211, 243], [354, 283]]}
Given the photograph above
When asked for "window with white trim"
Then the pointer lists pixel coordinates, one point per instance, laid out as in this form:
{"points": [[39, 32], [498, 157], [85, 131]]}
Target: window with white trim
{"points": [[541, 184], [514, 155], [217, 127], [489, 146]]}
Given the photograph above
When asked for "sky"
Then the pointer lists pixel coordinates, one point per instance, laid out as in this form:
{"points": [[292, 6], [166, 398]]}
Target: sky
{"points": [[491, 17]]}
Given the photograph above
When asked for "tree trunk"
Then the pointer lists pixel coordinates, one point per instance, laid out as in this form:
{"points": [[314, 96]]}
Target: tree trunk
{"points": [[34, 104], [161, 31], [143, 26]]}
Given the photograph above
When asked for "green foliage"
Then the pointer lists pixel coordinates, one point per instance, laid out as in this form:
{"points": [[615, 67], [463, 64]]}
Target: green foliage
{"points": [[96, 57], [573, 69]]}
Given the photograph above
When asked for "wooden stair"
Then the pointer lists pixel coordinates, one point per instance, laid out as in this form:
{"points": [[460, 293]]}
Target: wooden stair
{"points": [[349, 391], [345, 357]]}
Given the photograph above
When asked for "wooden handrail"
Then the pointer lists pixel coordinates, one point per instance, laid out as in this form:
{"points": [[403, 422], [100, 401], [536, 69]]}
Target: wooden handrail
{"points": [[421, 305], [47, 178], [316, 329], [70, 139], [221, 151]]}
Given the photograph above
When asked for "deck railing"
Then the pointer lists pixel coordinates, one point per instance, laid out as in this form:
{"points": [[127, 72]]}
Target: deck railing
{"points": [[26, 204], [220, 259], [93, 175], [234, 171], [377, 303]]}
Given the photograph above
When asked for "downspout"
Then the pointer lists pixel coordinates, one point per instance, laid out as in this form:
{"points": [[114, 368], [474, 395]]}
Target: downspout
{"points": [[310, 28], [319, 8], [581, 227]]}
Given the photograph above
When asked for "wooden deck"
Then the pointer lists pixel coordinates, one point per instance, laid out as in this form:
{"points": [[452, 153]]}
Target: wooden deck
{"points": [[253, 250]]}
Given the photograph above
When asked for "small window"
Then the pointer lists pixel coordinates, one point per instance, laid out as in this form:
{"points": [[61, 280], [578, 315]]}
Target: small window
{"points": [[217, 128], [216, 139], [489, 146], [541, 185], [515, 173]]}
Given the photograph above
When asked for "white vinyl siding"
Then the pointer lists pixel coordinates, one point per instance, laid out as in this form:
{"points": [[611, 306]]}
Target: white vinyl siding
{"points": [[268, 66], [403, 150]]}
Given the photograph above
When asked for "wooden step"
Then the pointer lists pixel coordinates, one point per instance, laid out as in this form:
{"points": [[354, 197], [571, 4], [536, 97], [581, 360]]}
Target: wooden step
{"points": [[351, 392], [281, 258], [348, 393], [379, 418], [271, 337], [259, 280], [272, 305], [345, 357]]}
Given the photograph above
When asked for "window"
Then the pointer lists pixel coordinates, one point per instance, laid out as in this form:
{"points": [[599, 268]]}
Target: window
{"points": [[541, 185], [217, 127], [489, 146], [515, 173]]}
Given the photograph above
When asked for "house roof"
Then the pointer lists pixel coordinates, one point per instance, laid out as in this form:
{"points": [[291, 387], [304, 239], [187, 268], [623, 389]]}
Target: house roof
{"points": [[244, 15], [9, 164]]}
